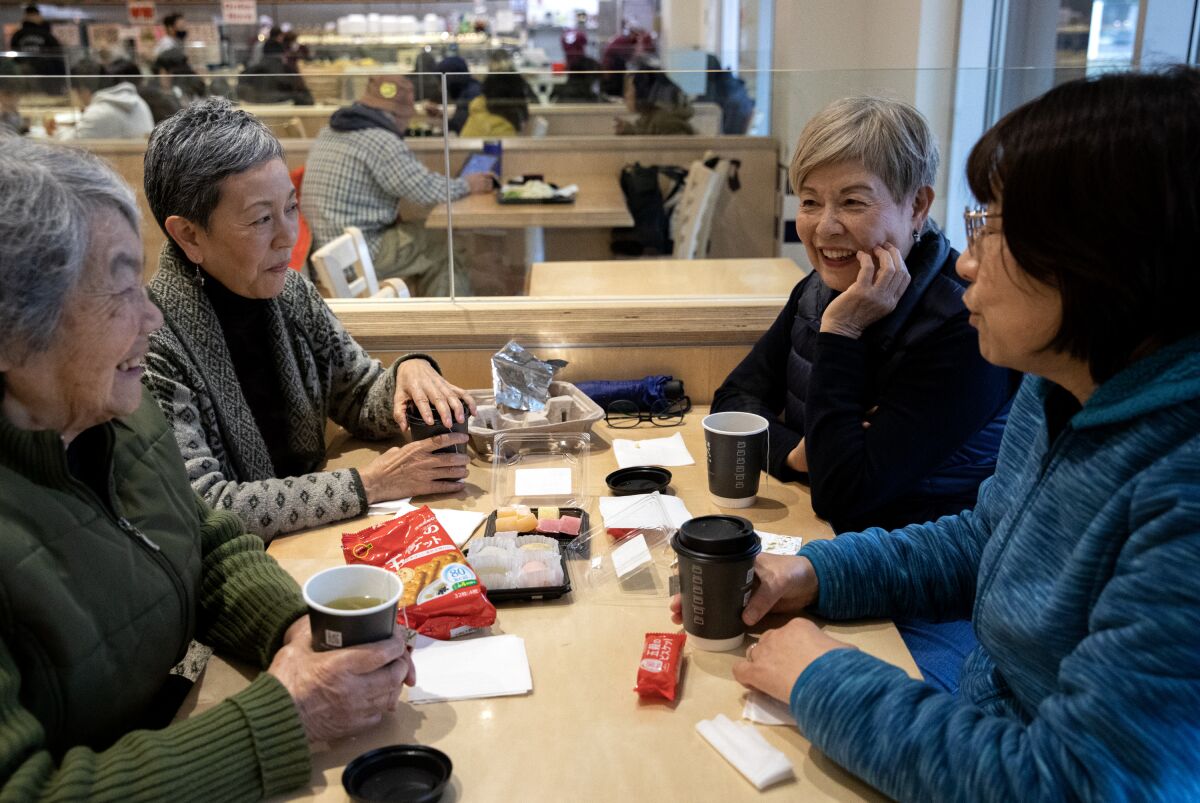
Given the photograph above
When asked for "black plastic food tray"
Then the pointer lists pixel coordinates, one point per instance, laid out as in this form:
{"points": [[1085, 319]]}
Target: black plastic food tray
{"points": [[543, 592], [500, 199]]}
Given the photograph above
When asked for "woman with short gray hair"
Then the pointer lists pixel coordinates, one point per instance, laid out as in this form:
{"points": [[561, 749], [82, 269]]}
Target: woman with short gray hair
{"points": [[251, 362], [871, 377], [109, 564]]}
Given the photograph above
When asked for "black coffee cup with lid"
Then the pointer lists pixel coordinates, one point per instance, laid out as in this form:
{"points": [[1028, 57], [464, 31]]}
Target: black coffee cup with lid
{"points": [[422, 431], [716, 570]]}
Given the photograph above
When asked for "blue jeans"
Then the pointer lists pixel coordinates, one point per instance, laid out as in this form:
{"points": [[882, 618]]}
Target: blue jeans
{"points": [[938, 648]]}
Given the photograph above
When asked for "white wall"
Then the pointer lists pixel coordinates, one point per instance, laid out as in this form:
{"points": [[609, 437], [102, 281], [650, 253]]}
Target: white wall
{"points": [[826, 50]]}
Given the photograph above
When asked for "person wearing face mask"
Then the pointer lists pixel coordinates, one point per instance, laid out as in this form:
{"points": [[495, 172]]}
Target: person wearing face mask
{"points": [[251, 363], [871, 378], [359, 168], [175, 32]]}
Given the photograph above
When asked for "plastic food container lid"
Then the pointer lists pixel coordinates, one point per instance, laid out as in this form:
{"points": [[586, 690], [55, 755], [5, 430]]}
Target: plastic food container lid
{"points": [[717, 535], [638, 480], [407, 773], [537, 469]]}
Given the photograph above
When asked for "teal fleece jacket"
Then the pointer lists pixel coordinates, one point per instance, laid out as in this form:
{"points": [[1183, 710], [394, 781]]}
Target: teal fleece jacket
{"points": [[1080, 567], [102, 586]]}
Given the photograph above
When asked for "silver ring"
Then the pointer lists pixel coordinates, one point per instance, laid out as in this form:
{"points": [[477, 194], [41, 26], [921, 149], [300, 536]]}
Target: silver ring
{"points": [[749, 650]]}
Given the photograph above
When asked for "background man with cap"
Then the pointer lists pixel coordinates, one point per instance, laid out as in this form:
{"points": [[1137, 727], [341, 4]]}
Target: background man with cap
{"points": [[360, 168]]}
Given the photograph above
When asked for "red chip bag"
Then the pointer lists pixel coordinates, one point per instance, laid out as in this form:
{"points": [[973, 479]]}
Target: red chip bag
{"points": [[658, 672], [442, 597]]}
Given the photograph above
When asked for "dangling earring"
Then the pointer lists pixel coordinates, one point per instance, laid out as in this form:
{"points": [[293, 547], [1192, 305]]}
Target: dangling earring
{"points": [[916, 236], [198, 279]]}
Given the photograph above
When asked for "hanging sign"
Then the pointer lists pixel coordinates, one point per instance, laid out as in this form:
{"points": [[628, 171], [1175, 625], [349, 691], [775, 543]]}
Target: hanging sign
{"points": [[239, 12], [141, 11]]}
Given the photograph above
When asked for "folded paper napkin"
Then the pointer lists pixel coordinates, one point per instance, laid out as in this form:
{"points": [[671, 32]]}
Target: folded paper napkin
{"points": [[766, 710], [746, 749], [640, 510], [652, 452]]}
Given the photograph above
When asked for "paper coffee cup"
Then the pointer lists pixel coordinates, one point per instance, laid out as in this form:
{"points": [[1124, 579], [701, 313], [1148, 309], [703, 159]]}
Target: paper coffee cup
{"points": [[329, 595], [716, 571], [421, 431], [736, 447]]}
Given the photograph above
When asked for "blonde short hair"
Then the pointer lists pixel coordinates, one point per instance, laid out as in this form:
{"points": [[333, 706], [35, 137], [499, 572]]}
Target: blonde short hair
{"points": [[888, 137]]}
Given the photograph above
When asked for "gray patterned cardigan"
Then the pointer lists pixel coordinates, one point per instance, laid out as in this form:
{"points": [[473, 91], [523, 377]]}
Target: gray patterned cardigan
{"points": [[325, 374]]}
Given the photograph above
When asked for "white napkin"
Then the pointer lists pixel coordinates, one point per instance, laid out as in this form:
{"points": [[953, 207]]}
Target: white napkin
{"points": [[495, 666], [652, 452], [775, 544], [766, 710], [746, 749], [458, 523], [392, 508], [635, 511]]}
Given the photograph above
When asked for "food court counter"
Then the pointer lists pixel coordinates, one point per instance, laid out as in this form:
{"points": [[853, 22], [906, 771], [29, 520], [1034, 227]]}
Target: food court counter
{"points": [[583, 734]]}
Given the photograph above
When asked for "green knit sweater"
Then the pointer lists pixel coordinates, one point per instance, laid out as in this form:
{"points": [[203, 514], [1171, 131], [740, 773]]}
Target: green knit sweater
{"points": [[102, 586]]}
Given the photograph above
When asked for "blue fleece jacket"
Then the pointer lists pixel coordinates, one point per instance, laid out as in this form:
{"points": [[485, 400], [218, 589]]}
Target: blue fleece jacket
{"points": [[1079, 565]]}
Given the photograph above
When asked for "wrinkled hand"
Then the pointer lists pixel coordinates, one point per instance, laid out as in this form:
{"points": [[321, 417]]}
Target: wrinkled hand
{"points": [[874, 294], [782, 584], [774, 663], [416, 380], [341, 692], [414, 470]]}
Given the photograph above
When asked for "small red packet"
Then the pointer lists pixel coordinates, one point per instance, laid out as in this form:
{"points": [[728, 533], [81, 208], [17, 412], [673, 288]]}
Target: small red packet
{"points": [[662, 658]]}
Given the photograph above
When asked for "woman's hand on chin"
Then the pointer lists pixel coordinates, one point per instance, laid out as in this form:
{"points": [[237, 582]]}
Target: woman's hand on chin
{"points": [[776, 661], [874, 294], [418, 382]]}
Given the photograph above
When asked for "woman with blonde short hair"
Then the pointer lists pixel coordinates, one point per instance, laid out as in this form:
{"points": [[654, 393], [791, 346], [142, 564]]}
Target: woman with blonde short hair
{"points": [[871, 376]]}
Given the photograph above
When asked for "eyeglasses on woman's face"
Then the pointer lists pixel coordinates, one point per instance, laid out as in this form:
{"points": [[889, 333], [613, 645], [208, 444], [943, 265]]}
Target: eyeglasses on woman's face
{"points": [[625, 413], [975, 220]]}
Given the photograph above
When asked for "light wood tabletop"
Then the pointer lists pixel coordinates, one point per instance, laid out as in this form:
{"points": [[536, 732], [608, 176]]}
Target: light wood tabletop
{"points": [[666, 277], [599, 204], [583, 734]]}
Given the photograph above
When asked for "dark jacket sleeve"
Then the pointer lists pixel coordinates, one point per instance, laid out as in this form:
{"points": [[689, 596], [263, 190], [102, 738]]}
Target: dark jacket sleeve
{"points": [[942, 393], [759, 385]]}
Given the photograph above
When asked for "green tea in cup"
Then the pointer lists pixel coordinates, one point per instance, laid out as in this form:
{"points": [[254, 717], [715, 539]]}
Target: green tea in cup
{"points": [[351, 605]]}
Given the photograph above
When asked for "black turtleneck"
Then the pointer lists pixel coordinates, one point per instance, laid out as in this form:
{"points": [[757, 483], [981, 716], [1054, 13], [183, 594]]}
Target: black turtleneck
{"points": [[245, 323]]}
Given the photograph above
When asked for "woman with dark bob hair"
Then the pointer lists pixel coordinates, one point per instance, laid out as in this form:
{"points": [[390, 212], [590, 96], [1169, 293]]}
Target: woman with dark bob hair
{"points": [[1078, 564], [251, 363]]}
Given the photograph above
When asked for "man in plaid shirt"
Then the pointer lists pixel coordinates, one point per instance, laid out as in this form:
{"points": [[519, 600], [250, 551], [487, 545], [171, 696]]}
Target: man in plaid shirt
{"points": [[360, 168]]}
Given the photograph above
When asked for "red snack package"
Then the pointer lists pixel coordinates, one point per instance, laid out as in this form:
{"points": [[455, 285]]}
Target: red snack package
{"points": [[442, 597], [658, 672]]}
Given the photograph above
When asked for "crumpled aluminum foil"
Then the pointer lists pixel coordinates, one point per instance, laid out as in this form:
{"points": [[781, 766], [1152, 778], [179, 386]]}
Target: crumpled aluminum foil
{"points": [[520, 380]]}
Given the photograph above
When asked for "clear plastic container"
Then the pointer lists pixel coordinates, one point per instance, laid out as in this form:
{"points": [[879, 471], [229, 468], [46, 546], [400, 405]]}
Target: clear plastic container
{"points": [[541, 469], [627, 565]]}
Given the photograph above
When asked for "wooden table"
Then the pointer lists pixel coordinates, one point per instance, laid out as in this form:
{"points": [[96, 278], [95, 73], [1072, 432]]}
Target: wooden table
{"points": [[665, 277], [599, 204], [583, 734]]}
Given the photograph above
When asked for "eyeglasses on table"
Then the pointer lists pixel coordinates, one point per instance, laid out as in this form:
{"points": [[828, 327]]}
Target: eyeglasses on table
{"points": [[626, 413]]}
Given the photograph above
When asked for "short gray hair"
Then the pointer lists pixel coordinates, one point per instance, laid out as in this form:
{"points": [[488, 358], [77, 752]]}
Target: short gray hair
{"points": [[49, 196], [888, 137], [194, 150]]}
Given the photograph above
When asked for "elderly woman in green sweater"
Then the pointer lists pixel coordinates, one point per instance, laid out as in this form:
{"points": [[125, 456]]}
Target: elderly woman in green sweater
{"points": [[251, 363], [109, 563]]}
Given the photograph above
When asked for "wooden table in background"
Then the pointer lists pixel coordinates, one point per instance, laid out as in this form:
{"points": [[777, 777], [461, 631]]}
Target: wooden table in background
{"points": [[583, 734], [665, 277], [600, 204]]}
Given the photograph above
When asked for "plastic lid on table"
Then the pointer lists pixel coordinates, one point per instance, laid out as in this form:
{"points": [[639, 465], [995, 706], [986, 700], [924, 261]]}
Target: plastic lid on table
{"points": [[538, 469]]}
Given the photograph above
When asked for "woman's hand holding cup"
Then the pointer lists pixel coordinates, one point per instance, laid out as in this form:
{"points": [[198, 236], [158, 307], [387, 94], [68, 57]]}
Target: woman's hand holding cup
{"points": [[342, 692], [431, 394], [776, 661], [874, 294], [416, 469]]}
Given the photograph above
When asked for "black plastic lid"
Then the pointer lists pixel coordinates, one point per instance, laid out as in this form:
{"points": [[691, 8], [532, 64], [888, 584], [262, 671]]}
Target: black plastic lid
{"points": [[638, 480], [717, 535], [406, 773]]}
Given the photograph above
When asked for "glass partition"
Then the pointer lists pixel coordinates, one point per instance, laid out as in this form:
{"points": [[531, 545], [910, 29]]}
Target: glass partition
{"points": [[480, 179]]}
